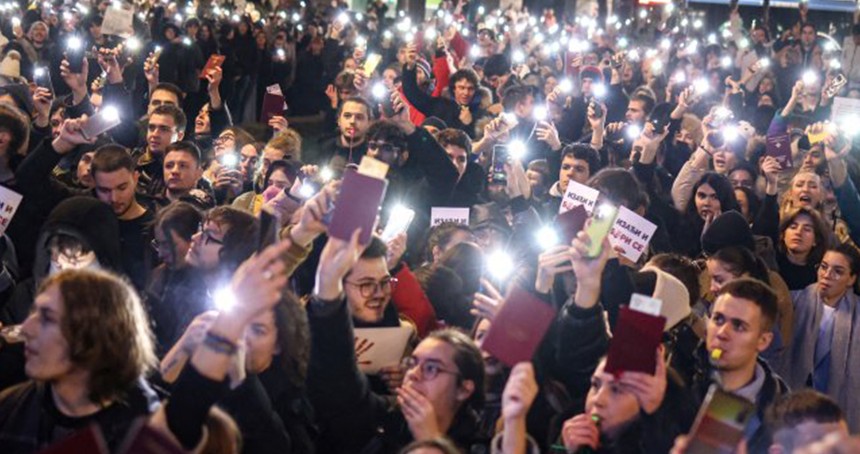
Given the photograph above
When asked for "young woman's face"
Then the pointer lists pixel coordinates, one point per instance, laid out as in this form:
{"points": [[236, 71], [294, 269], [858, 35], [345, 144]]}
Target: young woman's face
{"points": [[800, 235], [46, 349], [171, 248], [720, 275], [608, 400], [707, 202], [492, 366], [446, 392], [806, 191], [261, 343], [279, 179]]}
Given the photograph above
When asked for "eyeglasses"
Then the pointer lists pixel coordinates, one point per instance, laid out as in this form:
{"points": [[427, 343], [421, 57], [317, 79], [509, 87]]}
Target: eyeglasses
{"points": [[222, 139], [383, 147], [156, 244], [838, 271], [368, 289], [207, 237], [429, 369]]}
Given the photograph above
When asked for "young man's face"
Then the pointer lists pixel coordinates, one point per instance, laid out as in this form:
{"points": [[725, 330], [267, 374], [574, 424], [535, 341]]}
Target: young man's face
{"points": [[737, 327], [459, 157], [367, 291], [161, 132], [181, 171], [464, 91], [83, 169], [116, 189], [572, 169], [353, 121], [160, 98], [635, 112]]}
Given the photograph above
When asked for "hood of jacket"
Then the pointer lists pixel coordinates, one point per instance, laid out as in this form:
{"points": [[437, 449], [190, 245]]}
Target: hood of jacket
{"points": [[90, 221]]}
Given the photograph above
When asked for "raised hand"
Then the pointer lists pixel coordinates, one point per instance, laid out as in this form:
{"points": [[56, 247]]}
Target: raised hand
{"points": [[71, 135], [419, 413], [150, 70], [77, 82], [42, 99], [311, 220], [396, 249], [547, 132], [257, 283], [278, 123], [520, 392], [337, 258], [649, 390], [488, 304], [550, 263], [580, 431]]}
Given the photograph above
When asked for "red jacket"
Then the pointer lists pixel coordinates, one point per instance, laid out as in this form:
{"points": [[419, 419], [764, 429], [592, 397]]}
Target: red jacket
{"points": [[411, 302]]}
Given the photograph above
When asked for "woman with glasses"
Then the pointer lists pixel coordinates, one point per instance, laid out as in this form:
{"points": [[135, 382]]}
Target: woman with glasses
{"points": [[173, 229], [443, 386], [825, 349]]}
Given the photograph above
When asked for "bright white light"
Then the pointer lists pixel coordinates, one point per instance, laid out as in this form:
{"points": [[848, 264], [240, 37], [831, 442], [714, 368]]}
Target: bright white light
{"points": [[178, 17], [622, 42], [684, 22], [82, 9], [230, 160], [387, 34], [306, 190], [359, 17], [491, 22], [186, 40], [566, 86], [669, 8], [657, 66], [605, 210], [849, 125], [680, 77], [692, 46], [518, 56], [722, 113], [132, 44], [297, 17], [829, 46], [517, 149], [409, 37], [110, 113], [764, 62], [500, 265], [379, 91], [633, 131], [809, 78], [643, 14], [701, 85], [553, 29], [540, 113], [611, 19], [234, 18], [731, 133], [67, 16], [744, 43], [190, 11], [224, 299], [326, 174], [539, 38], [633, 55], [39, 72], [430, 34], [343, 18], [547, 238], [599, 90], [665, 44], [360, 41], [726, 62], [835, 64], [74, 43], [697, 24], [481, 10], [712, 38], [475, 51]]}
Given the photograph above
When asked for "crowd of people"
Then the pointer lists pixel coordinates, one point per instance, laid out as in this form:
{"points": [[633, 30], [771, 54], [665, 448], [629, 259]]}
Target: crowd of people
{"points": [[143, 299]]}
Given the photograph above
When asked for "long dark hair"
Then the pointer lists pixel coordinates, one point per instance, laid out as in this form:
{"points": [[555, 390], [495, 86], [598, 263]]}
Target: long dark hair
{"points": [[739, 261], [823, 237], [721, 186], [294, 339]]}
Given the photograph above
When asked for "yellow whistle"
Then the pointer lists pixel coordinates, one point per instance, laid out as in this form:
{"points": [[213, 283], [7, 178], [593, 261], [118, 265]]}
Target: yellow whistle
{"points": [[716, 354]]}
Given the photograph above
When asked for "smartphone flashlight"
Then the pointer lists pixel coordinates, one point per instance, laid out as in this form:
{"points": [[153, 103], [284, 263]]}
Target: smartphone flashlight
{"points": [[764, 62], [74, 43], [230, 160], [565, 85], [726, 62], [809, 78], [499, 265], [518, 57], [633, 131], [517, 149], [132, 44], [547, 238], [731, 133], [379, 91], [361, 41], [701, 85], [540, 113], [430, 34], [186, 41], [110, 113], [343, 18], [224, 299]]}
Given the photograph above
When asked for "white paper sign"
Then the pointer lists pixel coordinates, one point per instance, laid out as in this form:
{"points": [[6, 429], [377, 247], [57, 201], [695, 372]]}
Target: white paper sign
{"points": [[578, 194], [118, 20], [439, 215], [380, 347], [646, 304], [9, 202], [843, 107], [632, 233]]}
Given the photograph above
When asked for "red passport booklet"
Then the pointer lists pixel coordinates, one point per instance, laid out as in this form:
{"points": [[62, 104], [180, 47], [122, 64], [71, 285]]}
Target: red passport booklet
{"points": [[518, 328], [273, 103], [357, 206], [215, 61], [779, 146], [634, 342], [571, 222]]}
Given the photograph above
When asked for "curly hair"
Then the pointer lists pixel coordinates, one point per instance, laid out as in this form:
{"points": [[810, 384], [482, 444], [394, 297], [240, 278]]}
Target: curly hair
{"points": [[107, 330], [294, 339]]}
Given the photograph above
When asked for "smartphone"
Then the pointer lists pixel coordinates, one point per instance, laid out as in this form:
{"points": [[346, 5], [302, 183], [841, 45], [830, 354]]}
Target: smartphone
{"points": [[75, 54], [215, 61], [497, 167], [268, 229], [720, 424], [370, 63], [601, 224], [598, 109], [398, 222], [42, 78], [835, 85], [106, 119], [156, 54]]}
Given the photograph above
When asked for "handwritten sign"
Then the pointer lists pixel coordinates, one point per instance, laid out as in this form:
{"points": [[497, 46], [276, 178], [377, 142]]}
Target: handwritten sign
{"points": [[578, 194], [439, 215], [631, 233], [844, 107], [118, 20], [376, 348], [9, 202]]}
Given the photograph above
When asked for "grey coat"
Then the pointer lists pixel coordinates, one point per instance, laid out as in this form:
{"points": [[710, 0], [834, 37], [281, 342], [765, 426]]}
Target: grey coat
{"points": [[797, 365]]}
